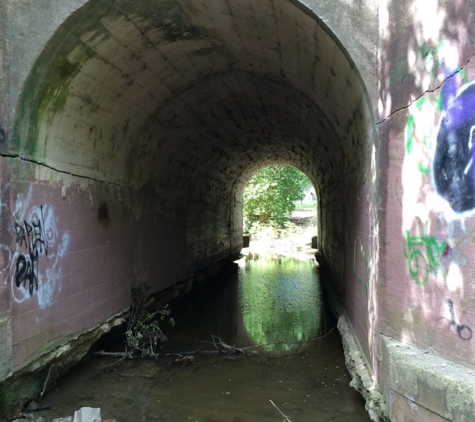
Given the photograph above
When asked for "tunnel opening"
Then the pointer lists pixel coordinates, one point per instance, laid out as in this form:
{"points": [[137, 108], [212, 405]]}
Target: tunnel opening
{"points": [[138, 128], [279, 212]]}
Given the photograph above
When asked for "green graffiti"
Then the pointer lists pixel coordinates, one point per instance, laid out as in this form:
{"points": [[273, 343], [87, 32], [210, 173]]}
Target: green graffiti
{"points": [[422, 253], [431, 59], [409, 132], [422, 168], [432, 62]]}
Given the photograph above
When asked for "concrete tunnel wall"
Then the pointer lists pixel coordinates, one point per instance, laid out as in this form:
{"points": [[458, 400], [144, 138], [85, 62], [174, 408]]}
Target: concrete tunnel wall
{"points": [[426, 112], [127, 142]]}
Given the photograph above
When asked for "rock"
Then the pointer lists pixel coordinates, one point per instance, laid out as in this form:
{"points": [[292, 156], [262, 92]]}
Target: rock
{"points": [[88, 414], [66, 419], [32, 405]]}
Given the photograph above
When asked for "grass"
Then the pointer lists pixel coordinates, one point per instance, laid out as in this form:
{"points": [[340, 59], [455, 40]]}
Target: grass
{"points": [[305, 205]]}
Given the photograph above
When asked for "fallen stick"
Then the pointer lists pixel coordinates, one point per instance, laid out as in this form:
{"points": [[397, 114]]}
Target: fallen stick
{"points": [[114, 354], [220, 347], [226, 348], [39, 409], [136, 376], [46, 381], [285, 417]]}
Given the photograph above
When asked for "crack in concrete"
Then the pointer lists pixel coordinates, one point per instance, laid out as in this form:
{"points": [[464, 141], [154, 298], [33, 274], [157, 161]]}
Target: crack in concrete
{"points": [[428, 91], [416, 405], [80, 176]]}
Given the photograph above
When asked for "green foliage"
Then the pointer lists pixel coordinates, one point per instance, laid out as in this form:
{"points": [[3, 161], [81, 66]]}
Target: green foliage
{"points": [[144, 334], [270, 194]]}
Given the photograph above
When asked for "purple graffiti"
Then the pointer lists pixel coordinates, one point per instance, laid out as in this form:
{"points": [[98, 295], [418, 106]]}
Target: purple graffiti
{"points": [[453, 166], [446, 250]]}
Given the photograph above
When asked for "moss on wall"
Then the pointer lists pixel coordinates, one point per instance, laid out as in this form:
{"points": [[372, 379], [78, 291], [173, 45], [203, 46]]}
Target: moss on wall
{"points": [[47, 87]]}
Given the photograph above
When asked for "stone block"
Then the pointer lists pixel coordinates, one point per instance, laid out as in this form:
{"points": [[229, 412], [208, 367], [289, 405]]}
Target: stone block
{"points": [[315, 242], [423, 379], [88, 414]]}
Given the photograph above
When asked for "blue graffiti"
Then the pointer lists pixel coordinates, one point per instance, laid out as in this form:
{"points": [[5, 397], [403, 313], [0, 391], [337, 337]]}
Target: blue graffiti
{"points": [[453, 166]]}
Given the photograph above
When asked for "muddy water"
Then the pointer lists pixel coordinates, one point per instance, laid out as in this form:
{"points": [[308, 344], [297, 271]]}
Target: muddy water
{"points": [[266, 301]]}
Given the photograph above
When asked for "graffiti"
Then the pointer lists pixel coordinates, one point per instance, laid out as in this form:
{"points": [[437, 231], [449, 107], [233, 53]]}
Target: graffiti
{"points": [[428, 60], [453, 167], [31, 237], [445, 150], [431, 58], [34, 264], [422, 252], [425, 138], [458, 235], [419, 127], [446, 251], [37, 236], [463, 331]]}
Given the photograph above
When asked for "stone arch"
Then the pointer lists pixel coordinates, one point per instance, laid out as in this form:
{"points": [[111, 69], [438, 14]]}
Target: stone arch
{"points": [[159, 112]]}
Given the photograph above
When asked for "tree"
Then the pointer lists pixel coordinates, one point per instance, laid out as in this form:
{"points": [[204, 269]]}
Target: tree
{"points": [[270, 194]]}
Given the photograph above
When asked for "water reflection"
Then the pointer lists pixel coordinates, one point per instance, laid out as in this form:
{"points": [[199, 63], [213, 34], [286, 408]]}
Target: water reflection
{"points": [[279, 300], [266, 301]]}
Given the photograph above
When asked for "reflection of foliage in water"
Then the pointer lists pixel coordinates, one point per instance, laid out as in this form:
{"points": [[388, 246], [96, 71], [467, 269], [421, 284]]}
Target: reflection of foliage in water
{"points": [[280, 302]]}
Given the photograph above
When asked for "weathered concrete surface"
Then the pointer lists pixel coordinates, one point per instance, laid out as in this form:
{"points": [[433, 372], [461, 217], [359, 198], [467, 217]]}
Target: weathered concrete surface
{"points": [[27, 25], [356, 26], [5, 347], [362, 375], [419, 385], [28, 382]]}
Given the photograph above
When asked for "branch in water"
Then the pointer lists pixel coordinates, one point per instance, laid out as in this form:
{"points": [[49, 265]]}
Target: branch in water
{"points": [[285, 417]]}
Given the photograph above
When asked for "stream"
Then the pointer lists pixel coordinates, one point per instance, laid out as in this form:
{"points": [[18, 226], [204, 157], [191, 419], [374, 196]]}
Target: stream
{"points": [[274, 302]]}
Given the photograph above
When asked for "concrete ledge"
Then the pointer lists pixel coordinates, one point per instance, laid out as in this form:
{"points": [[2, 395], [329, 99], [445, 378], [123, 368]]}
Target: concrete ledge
{"points": [[361, 373], [421, 383]]}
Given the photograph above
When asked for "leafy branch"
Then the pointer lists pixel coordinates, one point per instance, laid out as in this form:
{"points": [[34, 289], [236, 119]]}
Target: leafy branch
{"points": [[143, 335]]}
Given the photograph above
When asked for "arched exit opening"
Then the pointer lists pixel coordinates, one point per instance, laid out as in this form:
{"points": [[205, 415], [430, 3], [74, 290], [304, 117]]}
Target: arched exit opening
{"points": [[280, 203], [137, 129]]}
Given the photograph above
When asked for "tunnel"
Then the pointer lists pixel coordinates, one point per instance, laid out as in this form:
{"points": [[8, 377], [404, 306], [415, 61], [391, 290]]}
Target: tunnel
{"points": [[128, 132], [135, 133]]}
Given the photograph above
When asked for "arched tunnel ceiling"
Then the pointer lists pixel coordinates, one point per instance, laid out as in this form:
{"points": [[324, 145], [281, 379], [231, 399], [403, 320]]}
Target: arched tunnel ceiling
{"points": [[128, 90]]}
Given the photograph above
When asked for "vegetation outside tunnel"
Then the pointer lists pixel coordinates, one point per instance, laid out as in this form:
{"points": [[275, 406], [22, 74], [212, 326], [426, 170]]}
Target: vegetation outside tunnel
{"points": [[270, 195]]}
